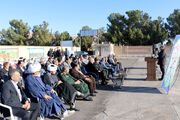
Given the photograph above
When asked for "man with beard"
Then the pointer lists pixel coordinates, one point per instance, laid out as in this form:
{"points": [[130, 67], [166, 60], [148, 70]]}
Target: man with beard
{"points": [[63, 89], [51, 105]]}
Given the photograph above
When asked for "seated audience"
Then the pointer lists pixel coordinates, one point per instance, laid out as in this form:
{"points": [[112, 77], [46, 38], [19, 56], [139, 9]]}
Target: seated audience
{"points": [[50, 103], [97, 69], [76, 73], [67, 91]]}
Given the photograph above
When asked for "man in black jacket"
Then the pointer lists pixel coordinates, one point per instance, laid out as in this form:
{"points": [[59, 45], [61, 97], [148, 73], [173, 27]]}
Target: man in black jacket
{"points": [[96, 68], [162, 60], [13, 95], [4, 72]]}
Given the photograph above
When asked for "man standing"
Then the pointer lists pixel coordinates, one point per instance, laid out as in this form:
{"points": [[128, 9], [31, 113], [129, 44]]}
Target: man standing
{"points": [[162, 60], [13, 95], [66, 53], [58, 52]]}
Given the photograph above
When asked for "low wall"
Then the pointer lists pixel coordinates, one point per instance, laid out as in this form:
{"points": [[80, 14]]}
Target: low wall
{"points": [[12, 53], [137, 51], [132, 50]]}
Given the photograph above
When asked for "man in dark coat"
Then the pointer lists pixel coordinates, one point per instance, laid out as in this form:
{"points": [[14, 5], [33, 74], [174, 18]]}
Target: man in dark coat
{"points": [[96, 68], [4, 72], [162, 61], [58, 52], [21, 69], [50, 53], [13, 95]]}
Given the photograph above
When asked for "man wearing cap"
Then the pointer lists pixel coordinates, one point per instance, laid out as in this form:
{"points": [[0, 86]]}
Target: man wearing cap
{"points": [[50, 103], [67, 91]]}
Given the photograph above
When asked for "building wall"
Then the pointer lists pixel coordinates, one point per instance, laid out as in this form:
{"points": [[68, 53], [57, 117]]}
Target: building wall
{"points": [[137, 50], [103, 49], [14, 52]]}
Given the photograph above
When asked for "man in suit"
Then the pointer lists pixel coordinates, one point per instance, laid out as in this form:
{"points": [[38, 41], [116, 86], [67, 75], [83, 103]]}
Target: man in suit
{"points": [[162, 60], [21, 69], [4, 72], [58, 52], [13, 95], [97, 69]]}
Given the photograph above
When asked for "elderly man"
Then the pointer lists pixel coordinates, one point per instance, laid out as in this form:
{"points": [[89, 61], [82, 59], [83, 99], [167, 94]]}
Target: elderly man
{"points": [[13, 95], [162, 60], [97, 69], [50, 103], [67, 91]]}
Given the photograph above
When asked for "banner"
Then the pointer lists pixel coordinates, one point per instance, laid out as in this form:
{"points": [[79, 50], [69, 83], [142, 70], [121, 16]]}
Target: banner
{"points": [[36, 52], [172, 64], [7, 54]]}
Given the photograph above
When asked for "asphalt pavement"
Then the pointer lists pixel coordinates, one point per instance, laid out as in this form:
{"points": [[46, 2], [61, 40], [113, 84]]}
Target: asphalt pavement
{"points": [[137, 100]]}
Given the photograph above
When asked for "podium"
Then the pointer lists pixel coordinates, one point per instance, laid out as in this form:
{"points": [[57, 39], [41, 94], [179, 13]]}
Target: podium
{"points": [[151, 68]]}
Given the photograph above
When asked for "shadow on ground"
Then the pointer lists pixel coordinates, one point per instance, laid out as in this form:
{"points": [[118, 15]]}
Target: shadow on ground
{"points": [[136, 79], [136, 68], [151, 90]]}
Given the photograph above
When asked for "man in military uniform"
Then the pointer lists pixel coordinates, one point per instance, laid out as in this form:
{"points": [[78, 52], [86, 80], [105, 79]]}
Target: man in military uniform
{"points": [[79, 85]]}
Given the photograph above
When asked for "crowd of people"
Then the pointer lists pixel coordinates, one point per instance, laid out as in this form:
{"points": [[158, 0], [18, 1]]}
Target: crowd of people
{"points": [[53, 84]]}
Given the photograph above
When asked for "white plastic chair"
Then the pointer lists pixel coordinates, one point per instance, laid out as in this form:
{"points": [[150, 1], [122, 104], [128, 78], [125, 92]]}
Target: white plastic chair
{"points": [[12, 117]]}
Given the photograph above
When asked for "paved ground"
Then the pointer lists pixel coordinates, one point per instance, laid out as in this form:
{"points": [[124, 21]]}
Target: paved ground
{"points": [[137, 100]]}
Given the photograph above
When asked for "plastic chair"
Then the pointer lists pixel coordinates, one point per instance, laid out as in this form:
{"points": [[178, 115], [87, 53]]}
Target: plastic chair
{"points": [[11, 117]]}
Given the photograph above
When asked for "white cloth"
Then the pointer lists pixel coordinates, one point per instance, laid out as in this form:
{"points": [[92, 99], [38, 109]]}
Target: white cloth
{"points": [[17, 90], [52, 67], [22, 69], [35, 67]]}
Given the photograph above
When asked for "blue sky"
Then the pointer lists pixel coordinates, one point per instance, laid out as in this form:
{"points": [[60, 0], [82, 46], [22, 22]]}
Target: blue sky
{"points": [[71, 15]]}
